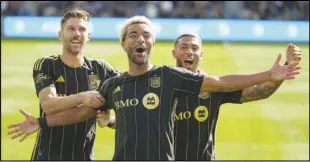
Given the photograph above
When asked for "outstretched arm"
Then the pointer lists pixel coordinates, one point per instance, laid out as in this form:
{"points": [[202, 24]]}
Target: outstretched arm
{"points": [[240, 81], [265, 90], [31, 124], [259, 92]]}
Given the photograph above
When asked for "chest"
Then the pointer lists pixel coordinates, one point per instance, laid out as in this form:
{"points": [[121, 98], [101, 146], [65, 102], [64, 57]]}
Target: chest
{"points": [[197, 107], [75, 80]]}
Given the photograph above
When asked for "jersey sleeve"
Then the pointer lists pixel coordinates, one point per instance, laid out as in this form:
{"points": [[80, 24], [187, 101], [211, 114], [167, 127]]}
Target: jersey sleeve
{"points": [[105, 91], [110, 71], [185, 80], [231, 97], [42, 74]]}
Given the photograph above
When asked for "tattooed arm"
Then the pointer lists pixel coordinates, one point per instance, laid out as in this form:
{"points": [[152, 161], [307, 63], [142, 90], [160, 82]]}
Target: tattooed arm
{"points": [[258, 92]]}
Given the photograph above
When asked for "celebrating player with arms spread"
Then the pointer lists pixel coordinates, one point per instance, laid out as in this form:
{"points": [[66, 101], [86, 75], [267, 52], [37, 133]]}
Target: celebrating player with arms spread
{"points": [[144, 98], [196, 115]]}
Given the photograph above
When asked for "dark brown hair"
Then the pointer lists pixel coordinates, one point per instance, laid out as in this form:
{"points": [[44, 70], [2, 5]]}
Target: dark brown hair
{"points": [[81, 14]]}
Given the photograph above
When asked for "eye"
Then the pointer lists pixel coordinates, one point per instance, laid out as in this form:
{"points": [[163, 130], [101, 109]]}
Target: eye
{"points": [[183, 47], [195, 48], [70, 28], [132, 36]]}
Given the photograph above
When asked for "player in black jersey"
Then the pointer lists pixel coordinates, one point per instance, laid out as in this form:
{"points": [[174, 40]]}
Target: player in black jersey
{"points": [[196, 115], [145, 97], [66, 81]]}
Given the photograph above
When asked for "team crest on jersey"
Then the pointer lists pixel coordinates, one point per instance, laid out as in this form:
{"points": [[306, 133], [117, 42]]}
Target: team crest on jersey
{"points": [[204, 95], [93, 81], [155, 82]]}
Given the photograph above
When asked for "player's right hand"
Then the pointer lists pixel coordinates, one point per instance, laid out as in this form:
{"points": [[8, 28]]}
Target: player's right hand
{"points": [[293, 54], [27, 127], [92, 99]]}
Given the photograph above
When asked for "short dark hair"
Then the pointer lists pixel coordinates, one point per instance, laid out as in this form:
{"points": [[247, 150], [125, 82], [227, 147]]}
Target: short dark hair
{"points": [[81, 14], [185, 35]]}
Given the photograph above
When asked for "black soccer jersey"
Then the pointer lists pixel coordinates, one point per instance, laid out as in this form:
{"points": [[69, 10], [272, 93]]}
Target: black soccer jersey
{"points": [[75, 141], [196, 118], [144, 106]]}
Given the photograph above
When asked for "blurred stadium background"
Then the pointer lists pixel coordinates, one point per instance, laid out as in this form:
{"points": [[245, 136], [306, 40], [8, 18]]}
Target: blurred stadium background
{"points": [[273, 129]]}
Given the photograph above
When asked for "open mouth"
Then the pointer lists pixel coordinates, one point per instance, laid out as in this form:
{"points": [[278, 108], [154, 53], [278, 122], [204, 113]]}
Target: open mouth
{"points": [[190, 62], [140, 50]]}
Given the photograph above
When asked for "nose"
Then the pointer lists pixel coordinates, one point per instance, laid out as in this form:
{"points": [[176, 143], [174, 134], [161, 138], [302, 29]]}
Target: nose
{"points": [[189, 52], [140, 39], [77, 32]]}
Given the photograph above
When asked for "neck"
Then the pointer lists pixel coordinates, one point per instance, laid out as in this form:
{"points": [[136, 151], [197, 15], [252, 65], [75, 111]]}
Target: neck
{"points": [[196, 70], [72, 60], [135, 69]]}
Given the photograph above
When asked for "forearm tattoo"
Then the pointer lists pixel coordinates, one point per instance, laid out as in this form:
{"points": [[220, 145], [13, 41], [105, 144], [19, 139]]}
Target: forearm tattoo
{"points": [[259, 92]]}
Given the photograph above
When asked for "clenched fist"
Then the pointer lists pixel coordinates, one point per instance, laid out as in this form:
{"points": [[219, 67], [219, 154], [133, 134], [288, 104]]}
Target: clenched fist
{"points": [[293, 54], [92, 99], [103, 118]]}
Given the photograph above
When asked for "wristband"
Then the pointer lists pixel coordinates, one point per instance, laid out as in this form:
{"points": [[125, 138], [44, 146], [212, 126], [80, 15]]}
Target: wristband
{"points": [[111, 122], [286, 63], [43, 122]]}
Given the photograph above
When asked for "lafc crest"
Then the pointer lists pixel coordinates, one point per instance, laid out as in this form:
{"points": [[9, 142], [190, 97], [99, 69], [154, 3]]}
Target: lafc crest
{"points": [[93, 82], [204, 95], [155, 82]]}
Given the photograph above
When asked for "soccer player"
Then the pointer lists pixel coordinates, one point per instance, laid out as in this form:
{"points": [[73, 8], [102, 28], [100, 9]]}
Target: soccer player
{"points": [[144, 98], [196, 115], [67, 81]]}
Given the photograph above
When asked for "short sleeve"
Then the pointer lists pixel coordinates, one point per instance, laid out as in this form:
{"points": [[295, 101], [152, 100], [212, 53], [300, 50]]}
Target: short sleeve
{"points": [[185, 80], [110, 71], [42, 74], [231, 97], [105, 91]]}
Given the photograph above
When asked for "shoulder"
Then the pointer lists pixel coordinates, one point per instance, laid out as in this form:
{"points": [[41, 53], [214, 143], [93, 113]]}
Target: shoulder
{"points": [[96, 61], [100, 63], [166, 68], [44, 61]]}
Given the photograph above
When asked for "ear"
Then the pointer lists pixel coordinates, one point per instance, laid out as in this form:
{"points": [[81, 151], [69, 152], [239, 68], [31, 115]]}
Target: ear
{"points": [[88, 36], [59, 35], [123, 45], [201, 55], [174, 54]]}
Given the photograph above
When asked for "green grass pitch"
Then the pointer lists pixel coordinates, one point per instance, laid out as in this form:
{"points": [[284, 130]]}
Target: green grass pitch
{"points": [[273, 129]]}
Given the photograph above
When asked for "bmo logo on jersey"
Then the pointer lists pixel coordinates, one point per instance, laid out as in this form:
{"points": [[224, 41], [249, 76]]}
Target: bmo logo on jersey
{"points": [[201, 114], [150, 101], [126, 103]]}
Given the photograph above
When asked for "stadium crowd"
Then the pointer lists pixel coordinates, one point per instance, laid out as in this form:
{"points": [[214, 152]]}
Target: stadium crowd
{"points": [[263, 10]]}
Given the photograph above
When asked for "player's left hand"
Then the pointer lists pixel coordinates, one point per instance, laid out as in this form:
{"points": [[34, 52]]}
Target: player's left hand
{"points": [[103, 118], [283, 72], [293, 54]]}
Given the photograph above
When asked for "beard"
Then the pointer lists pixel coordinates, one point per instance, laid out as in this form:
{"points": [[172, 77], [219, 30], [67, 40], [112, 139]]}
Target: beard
{"points": [[138, 61], [72, 49]]}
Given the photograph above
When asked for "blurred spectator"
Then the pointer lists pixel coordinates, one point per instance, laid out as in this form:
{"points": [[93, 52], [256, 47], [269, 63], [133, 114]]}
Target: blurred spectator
{"points": [[263, 10]]}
